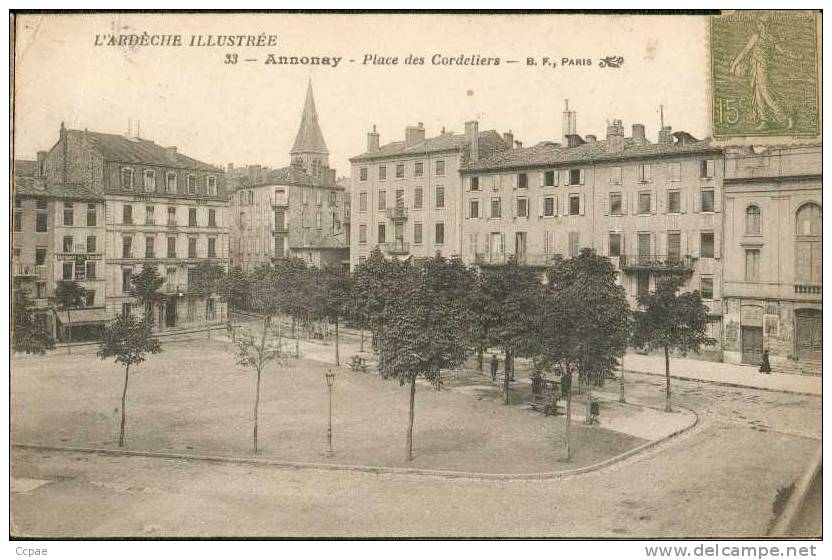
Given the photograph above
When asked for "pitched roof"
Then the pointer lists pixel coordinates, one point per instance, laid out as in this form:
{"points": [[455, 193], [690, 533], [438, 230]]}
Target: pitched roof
{"points": [[490, 142], [35, 187], [114, 147], [309, 138], [24, 167], [291, 175], [550, 153]]}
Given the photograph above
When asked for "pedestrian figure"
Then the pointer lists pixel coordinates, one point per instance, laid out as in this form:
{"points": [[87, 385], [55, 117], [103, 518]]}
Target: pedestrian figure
{"points": [[765, 367], [494, 365]]}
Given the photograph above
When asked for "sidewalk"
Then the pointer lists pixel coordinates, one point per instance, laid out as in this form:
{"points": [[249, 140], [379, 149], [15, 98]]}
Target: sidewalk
{"points": [[726, 374]]}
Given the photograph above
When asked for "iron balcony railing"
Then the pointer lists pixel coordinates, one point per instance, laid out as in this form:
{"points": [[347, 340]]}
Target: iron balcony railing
{"points": [[397, 213], [396, 247], [656, 263], [525, 259], [811, 289]]}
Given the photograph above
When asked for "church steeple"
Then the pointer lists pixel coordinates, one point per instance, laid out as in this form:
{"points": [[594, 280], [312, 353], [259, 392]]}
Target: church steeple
{"points": [[309, 150]]}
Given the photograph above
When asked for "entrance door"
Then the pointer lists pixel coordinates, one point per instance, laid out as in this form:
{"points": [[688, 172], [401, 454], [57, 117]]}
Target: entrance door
{"points": [[520, 246], [496, 248], [170, 313], [809, 334], [752, 345]]}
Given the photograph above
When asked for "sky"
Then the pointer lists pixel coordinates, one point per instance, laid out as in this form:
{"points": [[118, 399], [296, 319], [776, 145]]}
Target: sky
{"points": [[249, 112]]}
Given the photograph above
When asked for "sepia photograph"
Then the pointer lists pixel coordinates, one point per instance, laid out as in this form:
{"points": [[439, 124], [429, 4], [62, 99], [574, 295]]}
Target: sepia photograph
{"points": [[417, 275]]}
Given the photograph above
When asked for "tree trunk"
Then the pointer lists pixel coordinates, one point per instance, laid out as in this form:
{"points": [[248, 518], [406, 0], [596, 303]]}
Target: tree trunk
{"points": [[589, 402], [667, 407], [69, 333], [621, 385], [279, 334], [297, 339], [479, 359], [506, 376], [256, 409], [410, 418], [337, 354], [569, 423], [438, 385], [123, 403], [362, 341]]}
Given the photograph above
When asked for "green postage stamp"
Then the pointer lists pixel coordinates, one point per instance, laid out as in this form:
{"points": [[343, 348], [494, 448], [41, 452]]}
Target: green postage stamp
{"points": [[765, 76]]}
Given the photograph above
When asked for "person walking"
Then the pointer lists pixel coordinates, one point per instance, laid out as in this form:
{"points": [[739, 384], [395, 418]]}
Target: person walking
{"points": [[765, 367], [494, 366]]}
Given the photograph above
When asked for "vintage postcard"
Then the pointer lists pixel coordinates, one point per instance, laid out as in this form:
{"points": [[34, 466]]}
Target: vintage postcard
{"points": [[417, 275]]}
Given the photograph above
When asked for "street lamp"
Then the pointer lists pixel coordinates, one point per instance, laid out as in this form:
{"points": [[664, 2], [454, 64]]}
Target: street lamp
{"points": [[330, 380]]}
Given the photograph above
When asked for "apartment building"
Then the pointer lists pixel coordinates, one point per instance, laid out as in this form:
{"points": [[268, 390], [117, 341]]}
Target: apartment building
{"points": [[406, 196], [161, 208], [773, 256]]}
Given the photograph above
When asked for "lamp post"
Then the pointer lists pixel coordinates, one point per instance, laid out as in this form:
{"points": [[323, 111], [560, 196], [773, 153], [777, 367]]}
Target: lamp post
{"points": [[330, 380]]}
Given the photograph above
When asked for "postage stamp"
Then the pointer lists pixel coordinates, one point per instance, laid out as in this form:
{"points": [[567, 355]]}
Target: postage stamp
{"points": [[765, 77]]}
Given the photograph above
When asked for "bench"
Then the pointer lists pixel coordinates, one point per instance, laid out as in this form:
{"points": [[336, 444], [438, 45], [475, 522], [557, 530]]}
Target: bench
{"points": [[545, 396]]}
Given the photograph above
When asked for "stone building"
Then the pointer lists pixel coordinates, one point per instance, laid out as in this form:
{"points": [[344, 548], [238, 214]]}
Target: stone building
{"points": [[772, 265], [296, 211], [407, 195], [160, 207]]}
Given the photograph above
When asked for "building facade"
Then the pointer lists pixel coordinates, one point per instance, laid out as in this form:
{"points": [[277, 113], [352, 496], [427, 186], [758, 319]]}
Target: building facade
{"points": [[161, 208], [406, 196], [773, 257]]}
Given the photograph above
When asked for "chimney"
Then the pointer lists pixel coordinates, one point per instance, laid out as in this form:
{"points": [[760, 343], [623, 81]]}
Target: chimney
{"points": [[170, 152], [62, 134], [518, 144], [638, 133], [666, 135], [40, 170], [414, 134], [590, 138], [472, 138], [574, 140], [615, 136], [372, 140], [570, 121], [508, 138]]}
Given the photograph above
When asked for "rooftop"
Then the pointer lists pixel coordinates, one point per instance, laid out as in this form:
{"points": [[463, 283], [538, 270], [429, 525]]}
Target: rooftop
{"points": [[291, 175], [34, 187], [490, 142], [309, 138]]}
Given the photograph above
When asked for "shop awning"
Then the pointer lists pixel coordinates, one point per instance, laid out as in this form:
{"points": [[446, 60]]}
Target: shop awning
{"points": [[83, 316]]}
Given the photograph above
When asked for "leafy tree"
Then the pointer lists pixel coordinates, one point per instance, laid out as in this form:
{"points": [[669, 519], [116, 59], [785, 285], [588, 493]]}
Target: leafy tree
{"points": [[669, 321], [256, 350], [332, 298], [263, 295], [69, 295], [235, 288], [129, 340], [206, 280], [422, 333], [28, 335], [374, 281], [145, 288], [293, 280]]}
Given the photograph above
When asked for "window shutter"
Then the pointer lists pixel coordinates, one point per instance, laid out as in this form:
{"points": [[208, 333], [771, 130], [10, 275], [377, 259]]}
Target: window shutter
{"points": [[556, 173], [634, 207], [487, 244], [661, 202], [514, 180], [697, 200], [514, 206], [647, 175], [683, 201], [661, 244], [581, 203], [624, 203], [623, 244], [695, 243], [717, 200], [581, 177], [605, 249], [468, 183], [683, 244], [554, 206], [540, 205], [502, 243], [606, 205], [540, 178], [467, 205], [653, 202], [565, 177], [716, 244]]}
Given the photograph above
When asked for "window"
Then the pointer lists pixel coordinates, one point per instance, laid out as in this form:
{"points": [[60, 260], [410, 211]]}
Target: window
{"points": [[642, 284], [382, 172], [399, 170], [752, 265], [576, 177], [170, 182], [475, 183], [706, 168], [127, 214], [574, 205], [18, 220], [615, 244], [382, 200], [474, 208], [496, 207], [615, 175], [549, 206], [149, 180], [149, 215], [126, 276], [126, 247], [92, 215], [753, 225], [706, 287], [91, 244], [615, 204], [674, 202], [126, 178], [212, 218], [674, 246], [212, 247], [808, 255], [171, 247], [707, 201], [333, 199], [400, 198], [382, 233], [362, 174], [643, 173], [66, 271], [318, 220], [68, 242], [41, 221], [40, 204], [522, 181], [212, 185], [192, 247], [549, 178], [522, 207], [440, 233], [574, 243], [149, 252], [418, 169], [440, 167], [706, 245], [362, 202], [417, 197], [90, 266], [440, 197], [644, 203], [69, 214], [172, 215], [191, 184], [675, 171], [417, 233], [192, 217], [40, 290], [125, 309], [40, 256]]}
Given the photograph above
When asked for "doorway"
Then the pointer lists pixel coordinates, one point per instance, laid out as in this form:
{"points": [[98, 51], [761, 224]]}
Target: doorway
{"points": [[809, 334], [752, 345], [170, 313]]}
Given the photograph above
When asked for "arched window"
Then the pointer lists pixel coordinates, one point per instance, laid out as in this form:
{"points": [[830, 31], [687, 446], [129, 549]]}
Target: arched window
{"points": [[808, 231], [753, 225]]}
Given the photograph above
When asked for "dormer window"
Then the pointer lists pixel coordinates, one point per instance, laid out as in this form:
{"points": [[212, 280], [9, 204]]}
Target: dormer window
{"points": [[127, 178], [149, 180], [170, 182], [212, 185], [191, 183]]}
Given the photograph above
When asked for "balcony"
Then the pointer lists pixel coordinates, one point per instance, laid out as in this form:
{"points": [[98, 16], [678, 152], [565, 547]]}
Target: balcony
{"points": [[525, 259], [396, 247], [397, 213], [280, 228], [808, 289], [279, 201], [23, 270], [656, 263]]}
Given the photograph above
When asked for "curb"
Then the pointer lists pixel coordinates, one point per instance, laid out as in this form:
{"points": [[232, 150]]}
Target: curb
{"points": [[726, 383], [783, 525], [366, 468]]}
